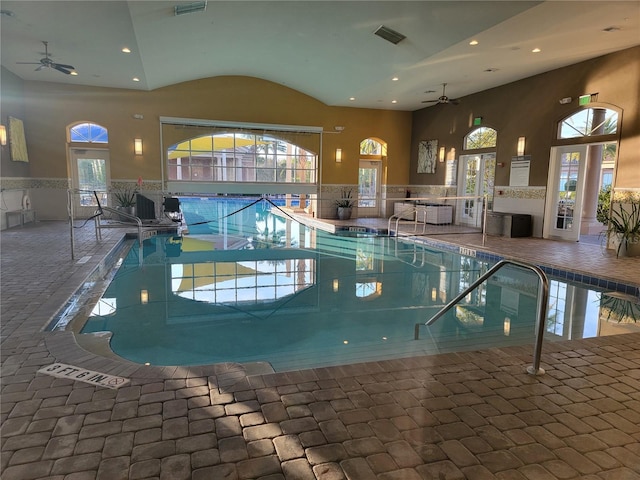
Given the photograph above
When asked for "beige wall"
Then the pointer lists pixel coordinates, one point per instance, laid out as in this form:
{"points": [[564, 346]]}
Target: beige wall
{"points": [[531, 108], [52, 107], [11, 105]]}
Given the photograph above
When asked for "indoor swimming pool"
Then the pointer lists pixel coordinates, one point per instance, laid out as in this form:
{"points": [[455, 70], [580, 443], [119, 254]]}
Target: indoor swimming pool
{"points": [[247, 285]]}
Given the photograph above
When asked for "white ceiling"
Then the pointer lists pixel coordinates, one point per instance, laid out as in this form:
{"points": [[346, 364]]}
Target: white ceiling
{"points": [[325, 49]]}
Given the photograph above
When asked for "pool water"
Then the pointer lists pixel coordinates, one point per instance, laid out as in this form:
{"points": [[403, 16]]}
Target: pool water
{"points": [[253, 286]]}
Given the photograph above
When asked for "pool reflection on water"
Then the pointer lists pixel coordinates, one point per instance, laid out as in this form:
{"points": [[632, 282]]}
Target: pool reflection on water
{"points": [[258, 287]]}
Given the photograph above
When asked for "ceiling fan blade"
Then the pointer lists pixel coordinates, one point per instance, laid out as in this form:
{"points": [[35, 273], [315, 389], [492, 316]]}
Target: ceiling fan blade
{"points": [[68, 67], [61, 69], [454, 101], [40, 68], [430, 101], [28, 63]]}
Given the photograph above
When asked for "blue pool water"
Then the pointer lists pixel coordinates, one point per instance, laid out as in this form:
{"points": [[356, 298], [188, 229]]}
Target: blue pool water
{"points": [[252, 286]]}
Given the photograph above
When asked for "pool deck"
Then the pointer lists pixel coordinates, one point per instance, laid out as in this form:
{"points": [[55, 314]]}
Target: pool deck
{"points": [[474, 415]]}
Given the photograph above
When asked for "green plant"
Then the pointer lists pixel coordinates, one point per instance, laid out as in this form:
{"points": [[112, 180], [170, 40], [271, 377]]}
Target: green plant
{"points": [[345, 200], [125, 196], [624, 224], [604, 205]]}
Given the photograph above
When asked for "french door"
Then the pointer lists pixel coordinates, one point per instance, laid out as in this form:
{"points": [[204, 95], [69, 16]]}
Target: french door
{"points": [[89, 169], [369, 188], [565, 190], [477, 176]]}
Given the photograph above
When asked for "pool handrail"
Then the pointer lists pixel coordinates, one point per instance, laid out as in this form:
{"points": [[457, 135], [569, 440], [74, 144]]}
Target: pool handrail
{"points": [[541, 313], [120, 213], [400, 216]]}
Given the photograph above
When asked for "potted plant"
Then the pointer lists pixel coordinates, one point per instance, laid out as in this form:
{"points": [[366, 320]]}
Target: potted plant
{"points": [[124, 197], [344, 205], [623, 228]]}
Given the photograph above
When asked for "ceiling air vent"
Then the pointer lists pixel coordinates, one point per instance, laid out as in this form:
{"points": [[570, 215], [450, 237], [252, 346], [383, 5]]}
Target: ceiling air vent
{"points": [[190, 8], [389, 35]]}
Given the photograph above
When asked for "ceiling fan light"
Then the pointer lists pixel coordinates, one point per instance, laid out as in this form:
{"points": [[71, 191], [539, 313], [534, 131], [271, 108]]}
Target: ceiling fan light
{"points": [[389, 34], [190, 8]]}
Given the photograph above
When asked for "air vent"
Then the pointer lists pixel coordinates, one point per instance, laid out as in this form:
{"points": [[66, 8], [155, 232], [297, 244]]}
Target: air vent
{"points": [[389, 35], [190, 8]]}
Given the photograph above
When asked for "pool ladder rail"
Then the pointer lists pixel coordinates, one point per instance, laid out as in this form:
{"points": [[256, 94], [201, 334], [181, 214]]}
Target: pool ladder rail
{"points": [[402, 216], [541, 312]]}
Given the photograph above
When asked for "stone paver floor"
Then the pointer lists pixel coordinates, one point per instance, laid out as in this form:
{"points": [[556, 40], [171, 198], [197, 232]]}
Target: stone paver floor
{"points": [[474, 415]]}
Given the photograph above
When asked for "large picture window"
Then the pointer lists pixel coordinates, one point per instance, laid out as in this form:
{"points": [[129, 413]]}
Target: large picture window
{"points": [[203, 156], [240, 157]]}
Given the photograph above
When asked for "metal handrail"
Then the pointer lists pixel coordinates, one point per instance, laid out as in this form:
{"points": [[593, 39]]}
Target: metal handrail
{"points": [[121, 214], [541, 314], [399, 217]]}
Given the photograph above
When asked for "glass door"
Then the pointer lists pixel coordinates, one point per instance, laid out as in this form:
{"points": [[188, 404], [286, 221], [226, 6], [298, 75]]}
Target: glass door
{"points": [[477, 175], [89, 173], [369, 188], [563, 209]]}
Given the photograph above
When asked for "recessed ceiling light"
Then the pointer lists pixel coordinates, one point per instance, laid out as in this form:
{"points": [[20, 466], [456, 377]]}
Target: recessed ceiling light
{"points": [[473, 42], [126, 50], [491, 70], [394, 101], [74, 73], [611, 29], [395, 79], [536, 50], [136, 79], [352, 98]]}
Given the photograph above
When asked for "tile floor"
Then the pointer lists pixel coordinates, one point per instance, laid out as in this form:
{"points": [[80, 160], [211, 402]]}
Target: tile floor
{"points": [[474, 415]]}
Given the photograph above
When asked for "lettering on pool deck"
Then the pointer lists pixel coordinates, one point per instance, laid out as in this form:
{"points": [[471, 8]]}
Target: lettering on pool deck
{"points": [[468, 252], [61, 370]]}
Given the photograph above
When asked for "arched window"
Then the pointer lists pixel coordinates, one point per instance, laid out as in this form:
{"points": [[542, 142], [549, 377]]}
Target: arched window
{"points": [[240, 157], [482, 137], [88, 133], [370, 146], [589, 122]]}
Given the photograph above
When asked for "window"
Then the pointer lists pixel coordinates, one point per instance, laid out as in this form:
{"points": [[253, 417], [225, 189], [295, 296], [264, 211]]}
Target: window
{"points": [[240, 157], [89, 166], [483, 137], [589, 122], [88, 133], [370, 146]]}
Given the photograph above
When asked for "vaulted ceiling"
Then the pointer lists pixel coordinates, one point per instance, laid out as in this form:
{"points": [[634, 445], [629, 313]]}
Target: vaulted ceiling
{"points": [[326, 49]]}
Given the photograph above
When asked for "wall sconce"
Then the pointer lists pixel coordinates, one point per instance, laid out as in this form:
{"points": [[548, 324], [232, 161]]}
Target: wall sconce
{"points": [[521, 141], [137, 146], [338, 155], [3, 135], [507, 326], [441, 154], [434, 294], [144, 297], [451, 155], [336, 284]]}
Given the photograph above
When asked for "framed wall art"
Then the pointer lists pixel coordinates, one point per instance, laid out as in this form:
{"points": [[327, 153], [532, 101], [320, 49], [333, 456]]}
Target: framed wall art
{"points": [[17, 141], [427, 156]]}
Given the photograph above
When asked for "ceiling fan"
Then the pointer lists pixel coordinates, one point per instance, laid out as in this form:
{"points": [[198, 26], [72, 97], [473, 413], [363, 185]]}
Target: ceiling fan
{"points": [[46, 62], [443, 98]]}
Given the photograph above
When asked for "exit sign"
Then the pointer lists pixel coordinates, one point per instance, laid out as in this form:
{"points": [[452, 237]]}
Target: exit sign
{"points": [[584, 99], [477, 121]]}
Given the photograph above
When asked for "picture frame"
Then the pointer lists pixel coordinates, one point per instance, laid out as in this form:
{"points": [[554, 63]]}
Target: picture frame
{"points": [[17, 142], [427, 156]]}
